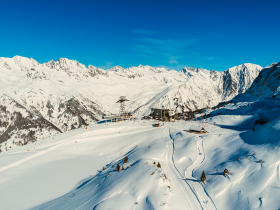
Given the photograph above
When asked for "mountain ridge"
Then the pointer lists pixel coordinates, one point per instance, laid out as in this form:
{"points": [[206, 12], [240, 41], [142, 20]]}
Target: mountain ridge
{"points": [[69, 95]]}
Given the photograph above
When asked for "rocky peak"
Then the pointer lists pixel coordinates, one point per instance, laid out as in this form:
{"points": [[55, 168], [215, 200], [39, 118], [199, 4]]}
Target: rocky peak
{"points": [[116, 69], [267, 83], [93, 71]]}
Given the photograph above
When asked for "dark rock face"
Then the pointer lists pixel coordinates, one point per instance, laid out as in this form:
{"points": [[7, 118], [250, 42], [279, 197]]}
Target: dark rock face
{"points": [[229, 86], [267, 84], [74, 109], [22, 125]]}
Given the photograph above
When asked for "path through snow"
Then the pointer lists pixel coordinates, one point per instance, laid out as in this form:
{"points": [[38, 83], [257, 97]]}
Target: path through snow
{"points": [[195, 191], [192, 199], [195, 184]]}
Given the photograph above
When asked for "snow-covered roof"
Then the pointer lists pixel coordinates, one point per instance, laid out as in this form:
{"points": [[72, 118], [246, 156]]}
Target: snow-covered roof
{"points": [[195, 128]]}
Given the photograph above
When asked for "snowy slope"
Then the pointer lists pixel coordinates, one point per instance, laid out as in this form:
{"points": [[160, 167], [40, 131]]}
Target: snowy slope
{"points": [[65, 172], [69, 95]]}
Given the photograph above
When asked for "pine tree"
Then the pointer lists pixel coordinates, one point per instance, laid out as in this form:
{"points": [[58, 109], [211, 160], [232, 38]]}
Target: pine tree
{"points": [[158, 165], [260, 161], [122, 167], [118, 168], [253, 129], [103, 168], [226, 172], [125, 159], [203, 177]]}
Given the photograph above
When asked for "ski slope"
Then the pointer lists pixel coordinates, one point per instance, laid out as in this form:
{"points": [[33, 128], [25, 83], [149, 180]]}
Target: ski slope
{"points": [[65, 171]]}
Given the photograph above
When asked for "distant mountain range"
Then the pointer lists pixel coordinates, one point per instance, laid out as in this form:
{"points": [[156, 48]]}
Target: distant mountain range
{"points": [[41, 100]]}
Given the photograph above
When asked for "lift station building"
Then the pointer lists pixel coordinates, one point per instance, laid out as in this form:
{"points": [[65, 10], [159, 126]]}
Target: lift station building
{"points": [[160, 113]]}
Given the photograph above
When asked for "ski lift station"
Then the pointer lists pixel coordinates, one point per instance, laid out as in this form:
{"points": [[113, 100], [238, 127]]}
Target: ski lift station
{"points": [[122, 113], [160, 113], [111, 118]]}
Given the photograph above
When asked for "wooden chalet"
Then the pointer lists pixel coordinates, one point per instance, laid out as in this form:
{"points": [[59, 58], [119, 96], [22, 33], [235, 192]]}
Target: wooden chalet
{"points": [[197, 129]]}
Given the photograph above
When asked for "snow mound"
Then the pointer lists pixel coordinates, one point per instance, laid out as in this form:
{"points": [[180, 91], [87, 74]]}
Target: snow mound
{"points": [[268, 133]]}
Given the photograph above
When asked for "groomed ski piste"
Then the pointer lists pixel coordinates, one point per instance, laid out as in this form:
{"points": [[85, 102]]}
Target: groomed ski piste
{"points": [[66, 171]]}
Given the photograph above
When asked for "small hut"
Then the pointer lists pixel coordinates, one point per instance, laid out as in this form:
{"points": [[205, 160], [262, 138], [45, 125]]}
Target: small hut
{"points": [[156, 125], [197, 129]]}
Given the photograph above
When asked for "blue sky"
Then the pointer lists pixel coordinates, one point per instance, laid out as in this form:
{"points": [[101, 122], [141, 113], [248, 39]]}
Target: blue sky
{"points": [[208, 34]]}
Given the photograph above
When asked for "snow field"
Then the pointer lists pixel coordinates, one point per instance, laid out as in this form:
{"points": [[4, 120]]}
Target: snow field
{"points": [[65, 171]]}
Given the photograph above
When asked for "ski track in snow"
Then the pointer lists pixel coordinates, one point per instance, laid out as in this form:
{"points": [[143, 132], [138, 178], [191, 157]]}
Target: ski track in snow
{"points": [[197, 189], [200, 189], [105, 199], [191, 197], [168, 160]]}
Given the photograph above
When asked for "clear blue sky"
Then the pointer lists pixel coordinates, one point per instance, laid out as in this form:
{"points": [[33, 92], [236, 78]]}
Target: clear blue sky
{"points": [[209, 34]]}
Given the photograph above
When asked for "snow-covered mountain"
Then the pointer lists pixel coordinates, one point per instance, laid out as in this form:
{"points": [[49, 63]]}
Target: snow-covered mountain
{"points": [[40, 100], [208, 88], [266, 85]]}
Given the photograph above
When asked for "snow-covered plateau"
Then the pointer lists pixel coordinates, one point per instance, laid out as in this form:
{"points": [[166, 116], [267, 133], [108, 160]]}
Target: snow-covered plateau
{"points": [[62, 167]]}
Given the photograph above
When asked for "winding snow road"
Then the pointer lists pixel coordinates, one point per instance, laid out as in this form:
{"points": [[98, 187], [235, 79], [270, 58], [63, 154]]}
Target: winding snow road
{"points": [[195, 192], [194, 203], [196, 185]]}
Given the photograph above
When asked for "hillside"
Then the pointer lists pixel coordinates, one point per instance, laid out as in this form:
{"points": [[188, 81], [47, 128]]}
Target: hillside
{"points": [[71, 167]]}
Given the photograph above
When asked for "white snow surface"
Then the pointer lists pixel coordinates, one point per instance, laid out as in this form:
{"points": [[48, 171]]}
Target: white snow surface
{"points": [[65, 171]]}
